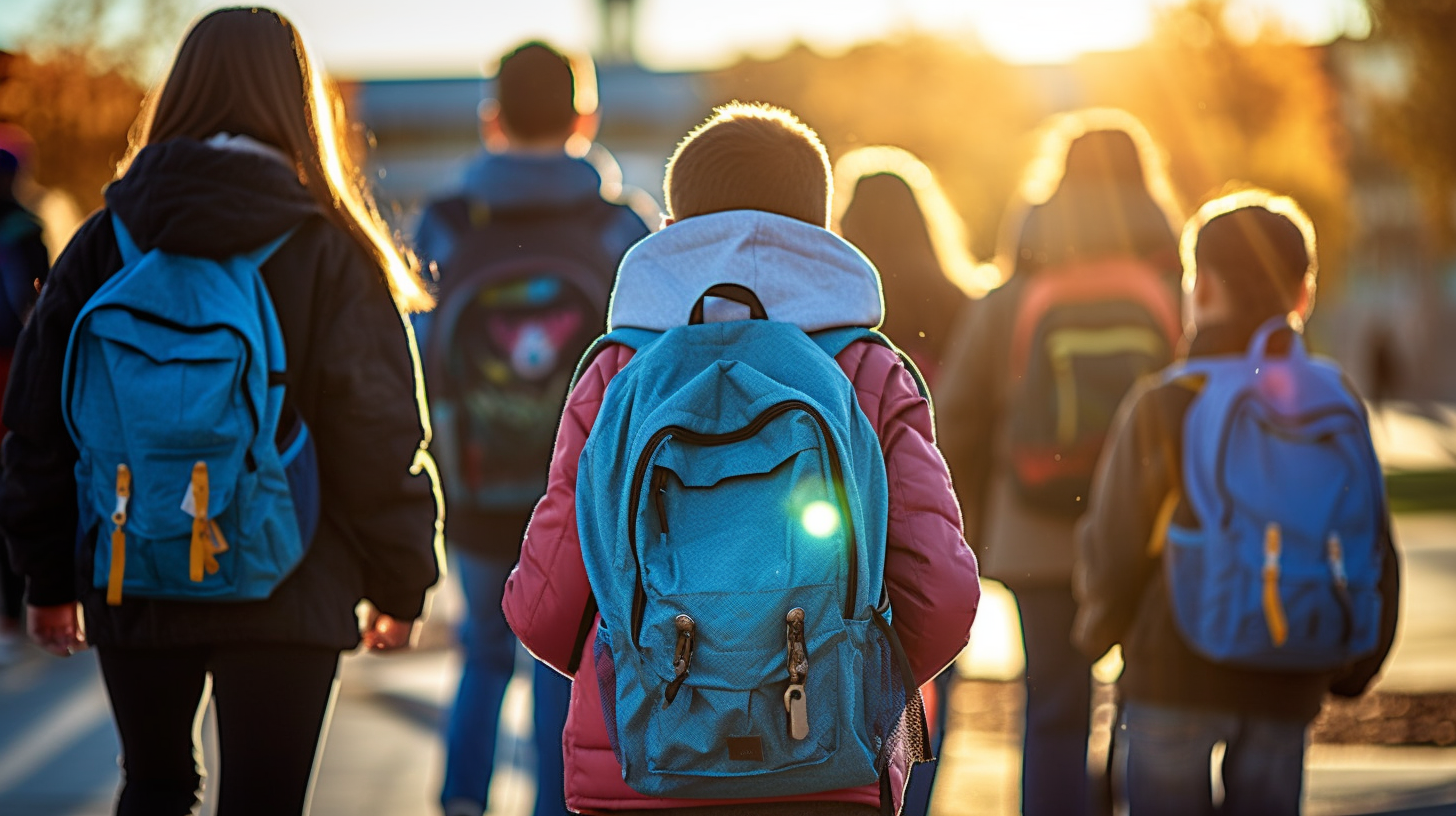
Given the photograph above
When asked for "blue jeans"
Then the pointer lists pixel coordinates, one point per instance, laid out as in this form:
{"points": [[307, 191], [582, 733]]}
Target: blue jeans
{"points": [[1162, 758], [1058, 705], [490, 661]]}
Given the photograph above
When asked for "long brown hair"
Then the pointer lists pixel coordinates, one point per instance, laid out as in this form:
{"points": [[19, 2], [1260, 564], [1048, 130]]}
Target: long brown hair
{"points": [[1097, 187], [246, 71]]}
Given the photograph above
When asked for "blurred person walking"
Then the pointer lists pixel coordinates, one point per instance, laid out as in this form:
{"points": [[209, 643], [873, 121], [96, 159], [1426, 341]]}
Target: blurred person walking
{"points": [[1030, 386], [889, 205], [1238, 542], [235, 156], [525, 256], [24, 264]]}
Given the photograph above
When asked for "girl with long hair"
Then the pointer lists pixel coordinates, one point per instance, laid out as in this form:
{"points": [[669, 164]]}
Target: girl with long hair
{"points": [[239, 147], [1031, 383], [889, 205]]}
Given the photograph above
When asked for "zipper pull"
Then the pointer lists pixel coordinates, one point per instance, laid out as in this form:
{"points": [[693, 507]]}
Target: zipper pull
{"points": [[682, 658], [118, 536], [659, 496], [795, 701], [1336, 555]]}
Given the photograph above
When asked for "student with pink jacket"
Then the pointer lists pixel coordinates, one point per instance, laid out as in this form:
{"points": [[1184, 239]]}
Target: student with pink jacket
{"points": [[748, 192]]}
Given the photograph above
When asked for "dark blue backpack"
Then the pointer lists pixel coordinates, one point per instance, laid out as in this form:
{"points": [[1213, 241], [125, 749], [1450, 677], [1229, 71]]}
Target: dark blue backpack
{"points": [[1279, 468], [173, 392], [521, 297], [732, 506]]}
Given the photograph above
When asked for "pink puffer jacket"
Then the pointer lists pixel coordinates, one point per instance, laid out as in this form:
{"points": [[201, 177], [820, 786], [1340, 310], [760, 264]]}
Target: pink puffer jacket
{"points": [[929, 570]]}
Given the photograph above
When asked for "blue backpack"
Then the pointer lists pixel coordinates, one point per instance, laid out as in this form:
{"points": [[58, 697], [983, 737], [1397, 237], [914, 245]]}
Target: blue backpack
{"points": [[732, 506], [1279, 468], [173, 392]]}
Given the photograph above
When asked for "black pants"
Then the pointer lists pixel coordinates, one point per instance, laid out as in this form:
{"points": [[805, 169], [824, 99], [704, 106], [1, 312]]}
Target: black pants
{"points": [[271, 701], [12, 588]]}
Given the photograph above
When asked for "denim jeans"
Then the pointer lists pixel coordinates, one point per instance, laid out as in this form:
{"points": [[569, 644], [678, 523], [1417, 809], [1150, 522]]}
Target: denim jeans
{"points": [[490, 661], [1163, 755], [1058, 705]]}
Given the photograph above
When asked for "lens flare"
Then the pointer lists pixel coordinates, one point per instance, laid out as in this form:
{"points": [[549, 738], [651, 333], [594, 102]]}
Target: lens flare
{"points": [[820, 519]]}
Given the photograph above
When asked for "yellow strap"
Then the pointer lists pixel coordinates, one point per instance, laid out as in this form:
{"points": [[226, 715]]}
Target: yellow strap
{"points": [[201, 541], [1273, 608], [1158, 541], [118, 567], [1064, 344], [118, 536]]}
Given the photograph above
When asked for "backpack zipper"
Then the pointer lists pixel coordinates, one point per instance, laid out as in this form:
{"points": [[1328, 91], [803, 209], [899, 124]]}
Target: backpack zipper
{"points": [[682, 657], [795, 702], [836, 471]]}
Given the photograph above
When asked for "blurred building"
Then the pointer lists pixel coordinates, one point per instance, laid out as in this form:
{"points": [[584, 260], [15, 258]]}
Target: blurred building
{"points": [[1395, 320], [425, 131]]}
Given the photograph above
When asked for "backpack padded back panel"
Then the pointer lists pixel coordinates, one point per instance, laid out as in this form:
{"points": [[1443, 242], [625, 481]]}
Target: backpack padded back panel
{"points": [[1279, 469], [522, 296], [173, 388], [732, 507], [1080, 339]]}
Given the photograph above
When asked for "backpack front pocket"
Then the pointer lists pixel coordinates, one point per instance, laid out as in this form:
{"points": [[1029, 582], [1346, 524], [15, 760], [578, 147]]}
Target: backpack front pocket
{"points": [[749, 697]]}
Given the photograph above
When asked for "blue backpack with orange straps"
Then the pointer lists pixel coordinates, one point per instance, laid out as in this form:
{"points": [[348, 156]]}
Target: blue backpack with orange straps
{"points": [[732, 506], [1282, 572], [173, 392]]}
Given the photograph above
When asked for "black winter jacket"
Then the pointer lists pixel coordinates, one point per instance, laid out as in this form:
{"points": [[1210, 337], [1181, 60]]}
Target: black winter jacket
{"points": [[1120, 584], [351, 374]]}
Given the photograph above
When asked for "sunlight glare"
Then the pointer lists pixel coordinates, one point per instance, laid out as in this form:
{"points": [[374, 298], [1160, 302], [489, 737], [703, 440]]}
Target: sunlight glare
{"points": [[820, 519]]}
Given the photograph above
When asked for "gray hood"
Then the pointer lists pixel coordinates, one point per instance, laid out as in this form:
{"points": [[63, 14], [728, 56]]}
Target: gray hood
{"points": [[803, 274]]}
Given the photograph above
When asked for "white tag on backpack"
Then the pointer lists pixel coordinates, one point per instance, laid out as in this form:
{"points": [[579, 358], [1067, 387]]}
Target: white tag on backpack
{"points": [[189, 502]]}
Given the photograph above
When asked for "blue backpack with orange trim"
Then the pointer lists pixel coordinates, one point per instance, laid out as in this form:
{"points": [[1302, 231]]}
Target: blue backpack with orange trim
{"points": [[1282, 572], [199, 478]]}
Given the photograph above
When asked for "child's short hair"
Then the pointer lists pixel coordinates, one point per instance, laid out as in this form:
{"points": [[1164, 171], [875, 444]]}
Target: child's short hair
{"points": [[1259, 245], [750, 157], [541, 91]]}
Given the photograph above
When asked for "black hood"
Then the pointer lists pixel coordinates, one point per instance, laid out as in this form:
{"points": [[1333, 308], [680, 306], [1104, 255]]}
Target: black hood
{"points": [[185, 197]]}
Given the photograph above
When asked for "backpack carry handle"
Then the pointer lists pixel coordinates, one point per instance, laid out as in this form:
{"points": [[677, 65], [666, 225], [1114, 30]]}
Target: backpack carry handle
{"points": [[1259, 346], [729, 291]]}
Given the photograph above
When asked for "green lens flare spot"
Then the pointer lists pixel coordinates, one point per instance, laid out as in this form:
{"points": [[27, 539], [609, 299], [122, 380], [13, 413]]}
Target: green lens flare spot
{"points": [[820, 519]]}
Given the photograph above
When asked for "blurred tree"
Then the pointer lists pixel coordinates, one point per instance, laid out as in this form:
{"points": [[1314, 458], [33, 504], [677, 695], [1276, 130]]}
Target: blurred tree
{"points": [[1418, 125], [1263, 111], [962, 111], [78, 82], [1222, 109]]}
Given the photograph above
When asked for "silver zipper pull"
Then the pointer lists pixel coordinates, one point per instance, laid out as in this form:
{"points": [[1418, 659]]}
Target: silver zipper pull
{"points": [[795, 701], [682, 659]]}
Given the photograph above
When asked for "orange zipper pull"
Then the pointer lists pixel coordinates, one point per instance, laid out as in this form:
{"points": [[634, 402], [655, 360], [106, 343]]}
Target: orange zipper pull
{"points": [[1273, 608], [201, 540], [118, 536]]}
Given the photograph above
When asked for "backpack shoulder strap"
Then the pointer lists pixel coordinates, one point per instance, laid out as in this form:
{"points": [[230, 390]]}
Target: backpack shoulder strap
{"points": [[635, 339], [833, 341], [129, 252], [454, 213], [260, 255]]}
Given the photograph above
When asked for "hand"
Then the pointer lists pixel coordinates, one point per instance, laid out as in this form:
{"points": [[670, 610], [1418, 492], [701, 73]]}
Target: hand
{"points": [[56, 628], [383, 633]]}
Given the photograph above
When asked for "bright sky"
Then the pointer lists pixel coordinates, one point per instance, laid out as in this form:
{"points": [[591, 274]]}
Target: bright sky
{"points": [[451, 37]]}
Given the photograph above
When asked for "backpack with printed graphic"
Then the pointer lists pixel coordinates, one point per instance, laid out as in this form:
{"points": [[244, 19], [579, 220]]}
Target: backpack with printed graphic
{"points": [[521, 296], [732, 506], [196, 473], [1081, 337], [1282, 570]]}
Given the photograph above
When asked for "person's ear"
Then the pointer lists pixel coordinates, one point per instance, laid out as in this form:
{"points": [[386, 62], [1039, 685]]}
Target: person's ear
{"points": [[491, 131]]}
